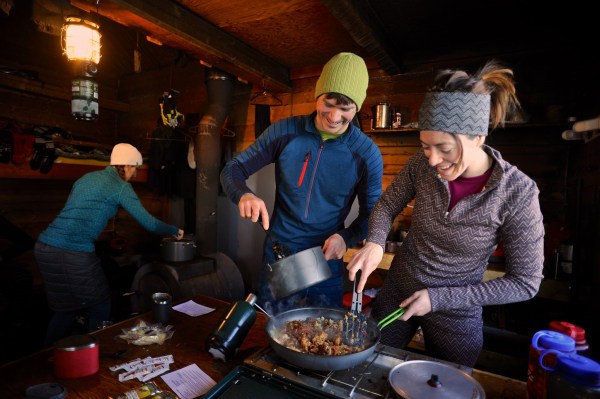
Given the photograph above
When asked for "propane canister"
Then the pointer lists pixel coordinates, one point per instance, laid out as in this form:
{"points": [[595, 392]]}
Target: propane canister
{"points": [[227, 336]]}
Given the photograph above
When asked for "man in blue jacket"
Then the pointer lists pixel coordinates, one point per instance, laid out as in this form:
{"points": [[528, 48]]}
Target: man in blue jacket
{"points": [[323, 162]]}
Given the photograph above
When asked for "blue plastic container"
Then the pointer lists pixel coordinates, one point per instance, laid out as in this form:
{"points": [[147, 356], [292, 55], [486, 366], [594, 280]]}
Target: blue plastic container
{"points": [[572, 376]]}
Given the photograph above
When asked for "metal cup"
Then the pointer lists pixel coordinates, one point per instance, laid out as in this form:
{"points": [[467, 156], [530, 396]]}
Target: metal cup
{"points": [[161, 307]]}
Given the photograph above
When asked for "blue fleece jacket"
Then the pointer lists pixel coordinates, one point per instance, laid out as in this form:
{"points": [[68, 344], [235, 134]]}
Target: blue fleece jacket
{"points": [[94, 199], [316, 181]]}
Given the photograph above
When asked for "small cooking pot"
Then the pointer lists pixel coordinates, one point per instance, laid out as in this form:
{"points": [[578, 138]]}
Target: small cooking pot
{"points": [[174, 250], [76, 356], [296, 272]]}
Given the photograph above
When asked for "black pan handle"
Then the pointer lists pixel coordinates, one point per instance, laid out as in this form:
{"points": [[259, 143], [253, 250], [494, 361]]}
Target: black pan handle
{"points": [[279, 250]]}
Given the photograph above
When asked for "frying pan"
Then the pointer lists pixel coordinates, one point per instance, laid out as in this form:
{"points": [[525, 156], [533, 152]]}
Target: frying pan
{"points": [[311, 361]]}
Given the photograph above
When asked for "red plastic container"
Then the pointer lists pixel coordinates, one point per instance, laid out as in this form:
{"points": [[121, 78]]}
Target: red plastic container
{"points": [[537, 377], [76, 356]]}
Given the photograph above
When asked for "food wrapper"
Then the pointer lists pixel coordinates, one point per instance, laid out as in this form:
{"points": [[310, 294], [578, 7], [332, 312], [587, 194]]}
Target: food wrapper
{"points": [[146, 334]]}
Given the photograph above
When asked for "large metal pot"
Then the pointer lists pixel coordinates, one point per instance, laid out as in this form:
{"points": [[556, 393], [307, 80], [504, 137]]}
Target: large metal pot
{"points": [[311, 361], [173, 250], [296, 272]]}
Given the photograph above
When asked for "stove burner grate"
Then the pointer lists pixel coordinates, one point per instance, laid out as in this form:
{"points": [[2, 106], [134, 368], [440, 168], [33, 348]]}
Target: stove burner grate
{"points": [[368, 380]]}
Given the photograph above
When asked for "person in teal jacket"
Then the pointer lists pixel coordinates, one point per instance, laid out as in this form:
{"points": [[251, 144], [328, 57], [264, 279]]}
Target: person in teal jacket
{"points": [[65, 253], [323, 162]]}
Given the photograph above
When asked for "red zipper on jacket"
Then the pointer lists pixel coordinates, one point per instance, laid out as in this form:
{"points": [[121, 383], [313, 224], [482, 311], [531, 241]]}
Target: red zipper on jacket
{"points": [[312, 180], [306, 158]]}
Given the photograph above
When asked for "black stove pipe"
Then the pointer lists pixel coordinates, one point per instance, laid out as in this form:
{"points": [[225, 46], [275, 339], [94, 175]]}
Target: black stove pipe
{"points": [[207, 152]]}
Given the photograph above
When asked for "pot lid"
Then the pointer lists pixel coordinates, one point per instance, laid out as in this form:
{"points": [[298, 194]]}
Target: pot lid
{"points": [[75, 342], [183, 241], [424, 379], [49, 390]]}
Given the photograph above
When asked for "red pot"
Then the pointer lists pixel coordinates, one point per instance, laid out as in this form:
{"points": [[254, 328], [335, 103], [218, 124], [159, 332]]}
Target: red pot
{"points": [[76, 356]]}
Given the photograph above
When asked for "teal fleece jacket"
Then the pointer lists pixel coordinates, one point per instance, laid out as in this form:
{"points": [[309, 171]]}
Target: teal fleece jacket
{"points": [[94, 199]]}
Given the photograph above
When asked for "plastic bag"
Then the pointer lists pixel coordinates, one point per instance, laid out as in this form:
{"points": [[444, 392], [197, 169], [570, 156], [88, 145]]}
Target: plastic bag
{"points": [[147, 334]]}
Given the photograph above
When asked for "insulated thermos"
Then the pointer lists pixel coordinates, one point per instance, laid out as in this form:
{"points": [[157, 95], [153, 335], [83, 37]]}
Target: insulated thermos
{"points": [[227, 336], [383, 115]]}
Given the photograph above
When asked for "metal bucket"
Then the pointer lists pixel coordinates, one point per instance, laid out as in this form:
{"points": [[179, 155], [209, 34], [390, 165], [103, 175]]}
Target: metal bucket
{"points": [[297, 272]]}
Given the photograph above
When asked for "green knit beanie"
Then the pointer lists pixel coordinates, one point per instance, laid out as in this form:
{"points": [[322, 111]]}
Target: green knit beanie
{"points": [[347, 74]]}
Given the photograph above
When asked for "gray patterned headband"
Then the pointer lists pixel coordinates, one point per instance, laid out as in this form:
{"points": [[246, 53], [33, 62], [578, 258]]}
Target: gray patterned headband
{"points": [[455, 112]]}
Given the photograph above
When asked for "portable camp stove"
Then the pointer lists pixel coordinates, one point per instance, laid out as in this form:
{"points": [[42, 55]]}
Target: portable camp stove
{"points": [[267, 376]]}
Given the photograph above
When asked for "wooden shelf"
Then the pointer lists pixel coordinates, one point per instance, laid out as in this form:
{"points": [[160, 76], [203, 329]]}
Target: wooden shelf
{"points": [[19, 84], [398, 130], [508, 126], [61, 171]]}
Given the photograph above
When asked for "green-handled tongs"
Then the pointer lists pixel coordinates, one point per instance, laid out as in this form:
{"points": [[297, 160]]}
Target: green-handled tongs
{"points": [[391, 318]]}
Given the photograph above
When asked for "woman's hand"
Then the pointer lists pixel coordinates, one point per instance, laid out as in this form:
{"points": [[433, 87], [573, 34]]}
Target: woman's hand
{"points": [[251, 207], [366, 259], [179, 235], [334, 247], [418, 304]]}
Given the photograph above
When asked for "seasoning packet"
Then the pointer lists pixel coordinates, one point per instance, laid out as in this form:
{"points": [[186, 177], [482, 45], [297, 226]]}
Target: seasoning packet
{"points": [[148, 390]]}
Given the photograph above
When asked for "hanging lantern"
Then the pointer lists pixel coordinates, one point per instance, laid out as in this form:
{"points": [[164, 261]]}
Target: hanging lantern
{"points": [[84, 91], [81, 40]]}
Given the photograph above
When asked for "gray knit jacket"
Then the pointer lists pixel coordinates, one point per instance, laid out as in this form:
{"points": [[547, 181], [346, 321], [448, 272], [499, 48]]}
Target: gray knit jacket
{"points": [[447, 252]]}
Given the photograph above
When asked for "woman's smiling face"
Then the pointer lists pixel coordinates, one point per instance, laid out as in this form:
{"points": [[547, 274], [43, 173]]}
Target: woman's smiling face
{"points": [[450, 155]]}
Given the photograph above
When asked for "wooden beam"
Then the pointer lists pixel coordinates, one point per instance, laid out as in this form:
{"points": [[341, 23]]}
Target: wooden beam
{"points": [[20, 84], [181, 29], [359, 21]]}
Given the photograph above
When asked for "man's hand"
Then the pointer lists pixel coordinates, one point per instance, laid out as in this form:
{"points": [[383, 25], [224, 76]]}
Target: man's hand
{"points": [[334, 247], [251, 207]]}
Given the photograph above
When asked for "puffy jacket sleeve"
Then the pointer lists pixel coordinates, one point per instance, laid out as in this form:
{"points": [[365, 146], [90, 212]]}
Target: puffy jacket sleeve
{"points": [[368, 192], [261, 153]]}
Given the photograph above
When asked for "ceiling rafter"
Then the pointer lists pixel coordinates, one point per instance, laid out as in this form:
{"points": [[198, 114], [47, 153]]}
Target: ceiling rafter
{"points": [[178, 27], [361, 24]]}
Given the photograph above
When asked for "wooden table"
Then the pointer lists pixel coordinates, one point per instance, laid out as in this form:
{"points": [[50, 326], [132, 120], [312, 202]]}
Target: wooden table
{"points": [[186, 346]]}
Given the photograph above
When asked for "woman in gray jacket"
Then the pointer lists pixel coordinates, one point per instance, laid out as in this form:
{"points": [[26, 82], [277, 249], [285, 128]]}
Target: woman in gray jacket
{"points": [[467, 200]]}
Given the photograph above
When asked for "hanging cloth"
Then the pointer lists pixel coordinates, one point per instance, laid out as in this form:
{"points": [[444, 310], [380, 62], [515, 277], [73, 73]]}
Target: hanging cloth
{"points": [[262, 118]]}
